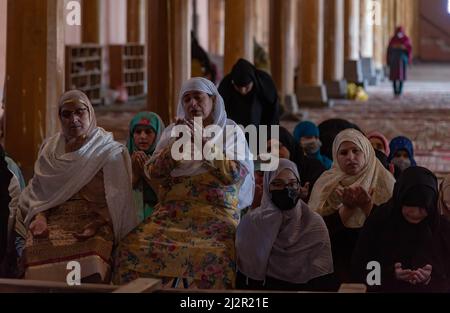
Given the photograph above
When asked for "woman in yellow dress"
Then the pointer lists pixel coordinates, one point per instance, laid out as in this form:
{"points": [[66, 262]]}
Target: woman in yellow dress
{"points": [[192, 230]]}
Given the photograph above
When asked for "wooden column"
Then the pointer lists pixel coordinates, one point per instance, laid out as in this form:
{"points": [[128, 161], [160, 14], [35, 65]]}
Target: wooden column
{"points": [[334, 49], [351, 38], [216, 26], [238, 32], [169, 60], [134, 21], [386, 25], [310, 89], [90, 24], [282, 30], [261, 22], [352, 65], [34, 76], [366, 28], [379, 44]]}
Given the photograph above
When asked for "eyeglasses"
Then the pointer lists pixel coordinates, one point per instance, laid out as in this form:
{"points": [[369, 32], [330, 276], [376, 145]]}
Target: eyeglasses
{"points": [[67, 114], [279, 184]]}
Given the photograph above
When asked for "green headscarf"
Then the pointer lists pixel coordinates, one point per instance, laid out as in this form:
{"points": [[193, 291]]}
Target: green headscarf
{"points": [[145, 196], [148, 119]]}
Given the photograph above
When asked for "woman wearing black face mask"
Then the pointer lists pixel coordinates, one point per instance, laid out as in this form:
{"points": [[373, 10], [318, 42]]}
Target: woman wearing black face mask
{"points": [[283, 245]]}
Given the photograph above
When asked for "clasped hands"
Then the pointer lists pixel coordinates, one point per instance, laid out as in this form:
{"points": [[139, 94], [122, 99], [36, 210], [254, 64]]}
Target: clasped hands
{"points": [[39, 228], [421, 276], [353, 198]]}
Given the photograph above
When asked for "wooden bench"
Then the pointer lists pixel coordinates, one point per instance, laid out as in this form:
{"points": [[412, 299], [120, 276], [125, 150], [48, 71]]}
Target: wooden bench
{"points": [[141, 285]]}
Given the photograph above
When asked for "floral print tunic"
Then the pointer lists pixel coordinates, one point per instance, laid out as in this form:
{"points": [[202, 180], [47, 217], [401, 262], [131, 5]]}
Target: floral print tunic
{"points": [[192, 230]]}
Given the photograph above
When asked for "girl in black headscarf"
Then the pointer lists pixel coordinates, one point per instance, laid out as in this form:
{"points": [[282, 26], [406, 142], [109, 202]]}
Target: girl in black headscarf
{"points": [[5, 179], [309, 169], [408, 238]]}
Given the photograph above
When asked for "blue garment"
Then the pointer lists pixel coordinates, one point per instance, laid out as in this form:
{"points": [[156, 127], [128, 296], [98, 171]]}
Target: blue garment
{"points": [[305, 129], [14, 168], [326, 162], [309, 129], [402, 143]]}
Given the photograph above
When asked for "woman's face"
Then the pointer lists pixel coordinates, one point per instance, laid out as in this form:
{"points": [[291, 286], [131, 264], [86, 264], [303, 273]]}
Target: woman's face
{"points": [[259, 178], [74, 119], [285, 179], [198, 104], [401, 154], [377, 144], [274, 145], [350, 158], [244, 90], [144, 137], [414, 215]]}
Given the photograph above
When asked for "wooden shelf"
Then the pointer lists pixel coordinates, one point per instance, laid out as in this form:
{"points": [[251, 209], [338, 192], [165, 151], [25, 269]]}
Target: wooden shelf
{"points": [[128, 69], [84, 70]]}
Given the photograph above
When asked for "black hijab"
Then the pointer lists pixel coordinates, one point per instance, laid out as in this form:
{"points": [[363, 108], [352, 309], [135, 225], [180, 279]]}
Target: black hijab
{"points": [[260, 106], [5, 179], [387, 237]]}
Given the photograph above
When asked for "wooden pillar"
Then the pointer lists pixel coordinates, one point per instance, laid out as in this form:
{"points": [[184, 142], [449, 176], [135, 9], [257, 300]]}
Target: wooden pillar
{"points": [[216, 26], [379, 43], [261, 22], [334, 49], [238, 32], [90, 25], [282, 29], [352, 65], [351, 30], [169, 60], [310, 89], [386, 25], [366, 28], [134, 21], [34, 76]]}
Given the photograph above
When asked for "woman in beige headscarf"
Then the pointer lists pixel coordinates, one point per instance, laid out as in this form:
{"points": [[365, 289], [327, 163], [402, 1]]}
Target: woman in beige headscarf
{"points": [[444, 198], [79, 202], [345, 194]]}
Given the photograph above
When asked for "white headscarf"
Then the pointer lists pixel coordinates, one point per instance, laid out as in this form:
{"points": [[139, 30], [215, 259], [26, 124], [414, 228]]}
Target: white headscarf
{"points": [[219, 115], [59, 175], [292, 246], [373, 175]]}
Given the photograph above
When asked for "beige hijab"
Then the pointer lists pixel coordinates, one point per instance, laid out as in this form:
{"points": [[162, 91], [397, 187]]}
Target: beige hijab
{"points": [[324, 199], [444, 196], [58, 174]]}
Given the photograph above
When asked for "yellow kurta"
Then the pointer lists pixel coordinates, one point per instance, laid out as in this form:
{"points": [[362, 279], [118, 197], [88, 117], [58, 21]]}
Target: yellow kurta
{"points": [[191, 233]]}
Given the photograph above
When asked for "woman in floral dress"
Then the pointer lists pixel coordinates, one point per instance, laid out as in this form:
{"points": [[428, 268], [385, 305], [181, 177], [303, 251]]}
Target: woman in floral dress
{"points": [[191, 232]]}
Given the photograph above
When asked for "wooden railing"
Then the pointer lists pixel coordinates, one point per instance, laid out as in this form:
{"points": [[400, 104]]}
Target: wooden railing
{"points": [[141, 285]]}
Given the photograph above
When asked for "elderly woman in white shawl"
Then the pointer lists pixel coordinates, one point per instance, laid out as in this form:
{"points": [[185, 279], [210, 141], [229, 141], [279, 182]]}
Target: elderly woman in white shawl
{"points": [[346, 194], [283, 244], [79, 202], [190, 234]]}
